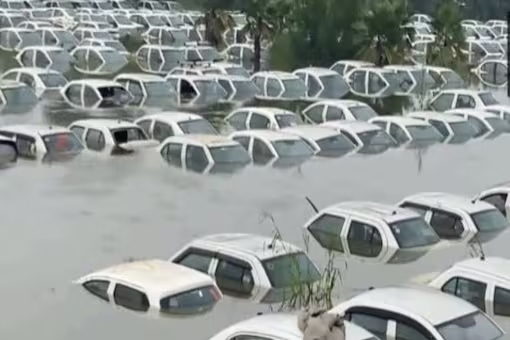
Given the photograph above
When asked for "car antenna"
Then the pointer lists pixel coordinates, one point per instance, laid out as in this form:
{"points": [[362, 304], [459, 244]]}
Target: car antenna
{"points": [[314, 207]]}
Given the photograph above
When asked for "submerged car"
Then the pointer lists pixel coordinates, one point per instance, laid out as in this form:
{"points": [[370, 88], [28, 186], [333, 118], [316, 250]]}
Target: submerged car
{"points": [[239, 89], [55, 58], [498, 196], [274, 148], [95, 60], [486, 124], [373, 82], [480, 50], [343, 67], [412, 80], [322, 83], [148, 89], [261, 263], [43, 143], [445, 78], [256, 118], [462, 99], [276, 85], [39, 79], [205, 154], [16, 39], [111, 136], [95, 94], [373, 232], [154, 286], [58, 37], [454, 129], [455, 217], [339, 109], [197, 91], [160, 126]]}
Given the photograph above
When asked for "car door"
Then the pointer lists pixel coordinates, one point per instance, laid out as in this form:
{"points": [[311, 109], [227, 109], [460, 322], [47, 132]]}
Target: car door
{"points": [[365, 239], [130, 298], [162, 131], [234, 276], [327, 231], [468, 288], [260, 152]]}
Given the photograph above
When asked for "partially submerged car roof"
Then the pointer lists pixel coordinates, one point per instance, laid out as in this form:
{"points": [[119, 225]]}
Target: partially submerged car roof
{"points": [[438, 199], [207, 140], [32, 129], [387, 213]]}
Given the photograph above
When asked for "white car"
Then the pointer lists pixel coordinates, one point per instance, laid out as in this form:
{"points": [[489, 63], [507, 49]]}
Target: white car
{"points": [[486, 124], [445, 78], [153, 286], [455, 217], [418, 314], [342, 67], [197, 91], [372, 82], [368, 138], [148, 89], [280, 326], [42, 142], [160, 126], [373, 232], [55, 58], [481, 50], [205, 154], [497, 195], [326, 142], [58, 37], [274, 148], [39, 79], [111, 136], [339, 109], [484, 282], [251, 118], [412, 80], [408, 131], [16, 39], [277, 85], [158, 59], [97, 94], [454, 129], [462, 99], [259, 263], [97, 60], [322, 83]]}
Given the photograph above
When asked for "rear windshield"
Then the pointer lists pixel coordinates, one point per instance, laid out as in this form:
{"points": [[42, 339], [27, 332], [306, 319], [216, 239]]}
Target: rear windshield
{"points": [[290, 270], [62, 143], [197, 126], [125, 135], [475, 326], [292, 148], [489, 220], [193, 301], [413, 232], [335, 143]]}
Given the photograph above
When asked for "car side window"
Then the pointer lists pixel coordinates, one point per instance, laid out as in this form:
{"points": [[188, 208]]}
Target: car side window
{"points": [[155, 60], [497, 200], [334, 113], [27, 79], [440, 126], [27, 58], [26, 146], [98, 288], [501, 301], [398, 133], [95, 140], [162, 131], [408, 332], [135, 89], [478, 125], [465, 102], [172, 154], [374, 324], [358, 78], [78, 131], [339, 68], [90, 97], [273, 88], [314, 87], [244, 141], [326, 230], [258, 121], [130, 298], [261, 153], [145, 125], [364, 239], [41, 60], [238, 120], [375, 83], [94, 61], [196, 260], [446, 225], [234, 276], [315, 114], [417, 208], [196, 158], [73, 94], [469, 290], [443, 102]]}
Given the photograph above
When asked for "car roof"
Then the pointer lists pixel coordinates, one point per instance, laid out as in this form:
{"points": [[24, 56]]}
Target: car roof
{"points": [[43, 48], [400, 120], [206, 140], [270, 135], [105, 123], [267, 111], [473, 112], [33, 70], [261, 247], [33, 129], [438, 68], [276, 74], [95, 82], [438, 199], [157, 277], [463, 91], [492, 266], [355, 126], [341, 102], [224, 64], [405, 67], [139, 76], [437, 116], [314, 132], [96, 48], [433, 305], [171, 117], [386, 212], [354, 62], [319, 71]]}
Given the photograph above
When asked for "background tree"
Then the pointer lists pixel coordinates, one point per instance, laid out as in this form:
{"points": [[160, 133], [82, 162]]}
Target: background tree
{"points": [[217, 22]]}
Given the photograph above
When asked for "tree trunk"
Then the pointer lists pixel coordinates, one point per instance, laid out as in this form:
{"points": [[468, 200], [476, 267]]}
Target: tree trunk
{"points": [[256, 45], [380, 53]]}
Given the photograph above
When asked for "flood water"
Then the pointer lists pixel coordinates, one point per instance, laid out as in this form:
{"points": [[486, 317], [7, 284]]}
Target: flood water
{"points": [[62, 221]]}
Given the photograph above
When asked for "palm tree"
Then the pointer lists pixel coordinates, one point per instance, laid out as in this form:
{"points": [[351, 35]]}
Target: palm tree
{"points": [[216, 23]]}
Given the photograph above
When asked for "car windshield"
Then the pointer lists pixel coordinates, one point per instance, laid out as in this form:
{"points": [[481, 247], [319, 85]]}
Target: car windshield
{"points": [[210, 90], [126, 135], [336, 144], [230, 154], [294, 88], [498, 124], [463, 129], [290, 270], [475, 326], [413, 232], [193, 301], [487, 98], [245, 89], [30, 39], [489, 220], [237, 71], [64, 142], [424, 133], [59, 57], [158, 88], [376, 137], [334, 86], [116, 45], [19, 95], [362, 112], [197, 126], [114, 96], [292, 148], [122, 20], [286, 120], [53, 80]]}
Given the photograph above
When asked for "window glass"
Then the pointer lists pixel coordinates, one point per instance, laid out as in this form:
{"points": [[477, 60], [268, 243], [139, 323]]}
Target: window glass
{"points": [[364, 239], [145, 125], [464, 101], [440, 126], [314, 87], [290, 270], [229, 154], [273, 87], [197, 126], [375, 83], [135, 89], [26, 146], [226, 86], [406, 332], [334, 113], [489, 220], [196, 261], [326, 230], [469, 290], [249, 337], [94, 61], [501, 301], [234, 277], [261, 153], [130, 298], [497, 200], [196, 158], [188, 92], [192, 301], [339, 68], [27, 79], [90, 97], [358, 81], [443, 102], [487, 98], [41, 60], [478, 125], [258, 121], [413, 232], [373, 324], [95, 140], [172, 154], [27, 58], [475, 326], [155, 60], [98, 288], [446, 225], [162, 131], [315, 114], [62, 143], [398, 133], [78, 131], [284, 120], [73, 94]]}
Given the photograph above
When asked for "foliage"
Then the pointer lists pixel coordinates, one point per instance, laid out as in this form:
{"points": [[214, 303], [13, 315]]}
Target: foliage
{"points": [[217, 23]]}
